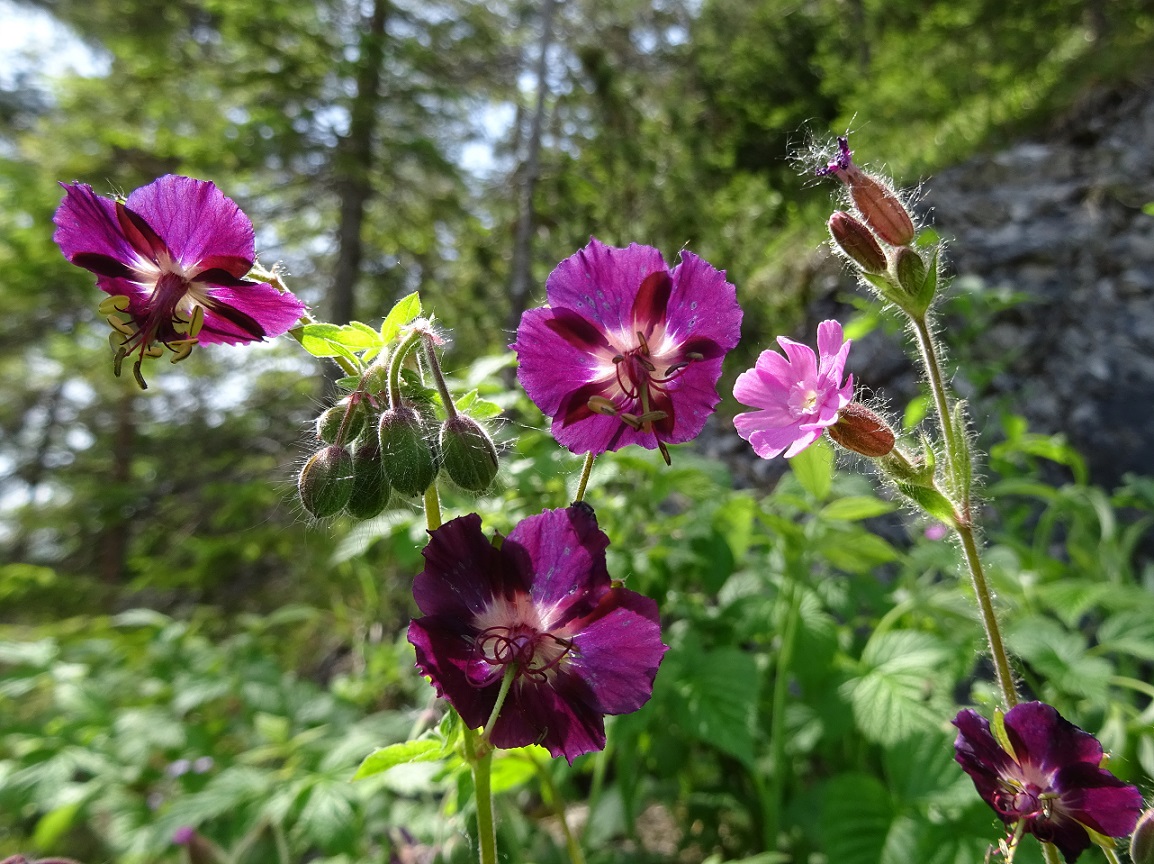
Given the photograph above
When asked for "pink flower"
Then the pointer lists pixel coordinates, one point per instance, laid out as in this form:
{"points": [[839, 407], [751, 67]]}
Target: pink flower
{"points": [[797, 396]]}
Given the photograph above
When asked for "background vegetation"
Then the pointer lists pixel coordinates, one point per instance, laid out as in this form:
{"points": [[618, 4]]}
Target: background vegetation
{"points": [[163, 599]]}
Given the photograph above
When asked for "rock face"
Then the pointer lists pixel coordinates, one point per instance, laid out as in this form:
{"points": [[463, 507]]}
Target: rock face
{"points": [[1061, 221]]}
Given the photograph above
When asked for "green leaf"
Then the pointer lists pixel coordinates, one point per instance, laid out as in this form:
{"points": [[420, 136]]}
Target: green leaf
{"points": [[855, 550], [404, 311], [52, 826], [1060, 654], [1128, 633], [916, 411], [854, 508], [513, 768], [856, 817], [813, 468], [931, 501], [419, 750], [719, 693], [328, 814], [900, 669], [923, 771]]}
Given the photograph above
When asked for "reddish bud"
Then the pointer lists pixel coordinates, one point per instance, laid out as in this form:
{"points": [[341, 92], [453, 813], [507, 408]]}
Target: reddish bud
{"points": [[861, 430], [881, 209], [857, 242]]}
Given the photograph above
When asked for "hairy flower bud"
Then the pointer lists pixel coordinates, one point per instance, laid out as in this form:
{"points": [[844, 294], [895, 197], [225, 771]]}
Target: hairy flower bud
{"points": [[326, 481], [881, 209], [371, 490], [468, 454], [330, 420], [406, 455], [857, 242], [861, 430], [1142, 841], [911, 270]]}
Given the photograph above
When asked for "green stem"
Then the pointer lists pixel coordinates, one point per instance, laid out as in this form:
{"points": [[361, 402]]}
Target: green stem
{"points": [[1133, 684], [482, 790], [1110, 854], [773, 804], [964, 527], [439, 380], [1050, 853], [989, 617], [395, 363], [576, 853], [506, 683], [584, 481]]}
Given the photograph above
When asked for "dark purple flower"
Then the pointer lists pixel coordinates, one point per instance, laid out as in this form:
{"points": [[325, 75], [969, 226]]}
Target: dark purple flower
{"points": [[628, 351], [174, 257], [541, 603], [1046, 775]]}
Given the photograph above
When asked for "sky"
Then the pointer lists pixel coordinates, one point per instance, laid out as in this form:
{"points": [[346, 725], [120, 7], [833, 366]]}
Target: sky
{"points": [[32, 40]]}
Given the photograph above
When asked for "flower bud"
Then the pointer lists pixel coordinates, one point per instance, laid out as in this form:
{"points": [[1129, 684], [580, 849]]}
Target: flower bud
{"points": [[330, 420], [468, 454], [1142, 841], [326, 481], [911, 270], [861, 430], [881, 209], [407, 458], [371, 490], [857, 242]]}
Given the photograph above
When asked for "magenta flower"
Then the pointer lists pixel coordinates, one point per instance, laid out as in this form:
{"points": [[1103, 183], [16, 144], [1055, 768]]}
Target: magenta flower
{"points": [[174, 257], [542, 607], [797, 396], [1045, 777], [628, 351]]}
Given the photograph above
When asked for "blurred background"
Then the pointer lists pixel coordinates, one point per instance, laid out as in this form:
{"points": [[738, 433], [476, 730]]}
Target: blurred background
{"points": [[164, 600]]}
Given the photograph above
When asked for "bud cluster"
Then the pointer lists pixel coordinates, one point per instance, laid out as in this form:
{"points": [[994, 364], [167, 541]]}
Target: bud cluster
{"points": [[385, 437], [878, 237]]}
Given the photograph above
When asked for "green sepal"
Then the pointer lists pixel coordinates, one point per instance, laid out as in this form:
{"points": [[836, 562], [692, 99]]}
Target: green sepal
{"points": [[923, 299], [998, 728], [404, 310], [931, 501], [961, 470], [885, 288]]}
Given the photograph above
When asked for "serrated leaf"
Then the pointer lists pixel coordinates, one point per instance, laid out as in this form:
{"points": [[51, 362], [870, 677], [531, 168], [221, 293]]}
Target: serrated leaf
{"points": [[1128, 633], [900, 669], [404, 753], [856, 507], [813, 468], [923, 770], [404, 310], [328, 812], [484, 409], [856, 816], [1060, 655], [719, 693]]}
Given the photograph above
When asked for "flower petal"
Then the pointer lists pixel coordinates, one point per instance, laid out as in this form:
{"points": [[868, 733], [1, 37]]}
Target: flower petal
{"points": [[703, 304], [248, 312], [558, 715], [196, 220], [1043, 737], [601, 282], [444, 654], [463, 572], [1098, 799], [89, 234]]}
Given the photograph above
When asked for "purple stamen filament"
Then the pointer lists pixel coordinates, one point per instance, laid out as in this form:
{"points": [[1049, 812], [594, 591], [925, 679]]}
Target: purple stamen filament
{"points": [[533, 653]]}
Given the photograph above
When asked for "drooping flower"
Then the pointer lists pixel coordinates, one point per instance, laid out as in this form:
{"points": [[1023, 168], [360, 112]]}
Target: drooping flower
{"points": [[1042, 774], [628, 351], [540, 607], [797, 396], [173, 256]]}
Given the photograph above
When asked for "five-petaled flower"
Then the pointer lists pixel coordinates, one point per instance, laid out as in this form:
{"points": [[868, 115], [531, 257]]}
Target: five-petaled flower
{"points": [[173, 256], [541, 608], [628, 351], [1042, 775], [797, 396]]}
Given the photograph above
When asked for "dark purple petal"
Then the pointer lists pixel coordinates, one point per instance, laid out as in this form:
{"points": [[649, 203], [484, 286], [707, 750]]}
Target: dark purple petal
{"points": [[195, 219], [618, 650], [651, 302], [559, 716], [1042, 737], [600, 282], [86, 226], [980, 755], [561, 554], [102, 265], [248, 312], [703, 304], [577, 331], [1098, 799], [550, 365], [445, 654], [139, 234], [463, 572], [1070, 837]]}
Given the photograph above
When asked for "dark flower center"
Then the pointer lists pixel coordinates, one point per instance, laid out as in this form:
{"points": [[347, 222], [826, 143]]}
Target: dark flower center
{"points": [[1025, 801], [534, 653]]}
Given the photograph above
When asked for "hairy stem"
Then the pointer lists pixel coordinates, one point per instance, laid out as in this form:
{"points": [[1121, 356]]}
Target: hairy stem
{"points": [[586, 469], [482, 770]]}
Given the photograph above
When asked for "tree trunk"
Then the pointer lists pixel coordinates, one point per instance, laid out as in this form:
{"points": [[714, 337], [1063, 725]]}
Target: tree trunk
{"points": [[353, 166], [521, 271]]}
